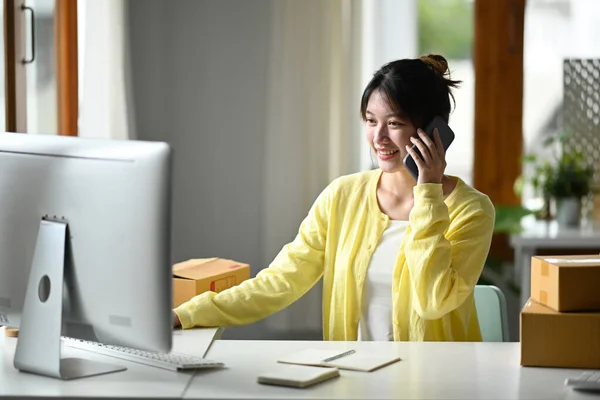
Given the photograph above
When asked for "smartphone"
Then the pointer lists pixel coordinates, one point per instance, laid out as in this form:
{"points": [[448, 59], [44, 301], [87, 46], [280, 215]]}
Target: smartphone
{"points": [[446, 136]]}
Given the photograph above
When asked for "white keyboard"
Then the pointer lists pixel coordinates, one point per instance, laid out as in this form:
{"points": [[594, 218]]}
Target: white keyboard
{"points": [[589, 380], [171, 361]]}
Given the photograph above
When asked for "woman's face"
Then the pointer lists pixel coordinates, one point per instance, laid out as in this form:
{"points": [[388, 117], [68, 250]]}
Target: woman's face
{"points": [[388, 133]]}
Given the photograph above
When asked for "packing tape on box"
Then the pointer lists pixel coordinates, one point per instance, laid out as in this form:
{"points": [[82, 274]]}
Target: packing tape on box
{"points": [[572, 261]]}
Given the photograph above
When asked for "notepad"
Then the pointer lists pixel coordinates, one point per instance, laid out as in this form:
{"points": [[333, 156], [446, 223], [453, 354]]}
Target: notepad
{"points": [[298, 376], [348, 360]]}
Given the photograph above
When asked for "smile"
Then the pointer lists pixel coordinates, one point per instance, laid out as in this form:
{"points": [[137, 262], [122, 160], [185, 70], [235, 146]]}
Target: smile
{"points": [[387, 155]]}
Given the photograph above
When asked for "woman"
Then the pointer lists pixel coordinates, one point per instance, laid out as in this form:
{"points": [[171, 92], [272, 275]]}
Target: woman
{"points": [[399, 257]]}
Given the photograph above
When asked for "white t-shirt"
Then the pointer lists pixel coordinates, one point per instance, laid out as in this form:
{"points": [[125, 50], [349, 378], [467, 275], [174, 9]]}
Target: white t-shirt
{"points": [[376, 315]]}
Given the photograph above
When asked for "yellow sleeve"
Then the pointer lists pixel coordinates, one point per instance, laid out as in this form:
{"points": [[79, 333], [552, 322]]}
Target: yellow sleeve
{"points": [[445, 259], [295, 270]]}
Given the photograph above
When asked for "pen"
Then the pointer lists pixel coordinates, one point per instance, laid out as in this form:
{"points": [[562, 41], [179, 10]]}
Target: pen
{"points": [[344, 354]]}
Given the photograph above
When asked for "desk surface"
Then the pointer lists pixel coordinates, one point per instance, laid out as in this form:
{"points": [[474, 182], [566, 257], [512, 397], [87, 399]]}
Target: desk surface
{"points": [[138, 381], [427, 371]]}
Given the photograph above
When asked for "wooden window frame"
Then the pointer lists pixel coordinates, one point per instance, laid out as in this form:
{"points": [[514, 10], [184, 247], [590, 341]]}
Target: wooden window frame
{"points": [[67, 66], [498, 134]]}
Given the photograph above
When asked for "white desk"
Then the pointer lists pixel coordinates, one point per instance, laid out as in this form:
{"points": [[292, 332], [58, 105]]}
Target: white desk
{"points": [[138, 381], [540, 235], [428, 371]]}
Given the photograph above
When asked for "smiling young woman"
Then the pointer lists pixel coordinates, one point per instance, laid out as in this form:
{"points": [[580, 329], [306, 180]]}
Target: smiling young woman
{"points": [[399, 257]]}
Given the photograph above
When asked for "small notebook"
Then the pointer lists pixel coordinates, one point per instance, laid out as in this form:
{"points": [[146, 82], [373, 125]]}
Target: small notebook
{"points": [[349, 360], [298, 376]]}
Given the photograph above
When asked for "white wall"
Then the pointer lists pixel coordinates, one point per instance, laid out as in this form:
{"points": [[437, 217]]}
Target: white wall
{"points": [[200, 83]]}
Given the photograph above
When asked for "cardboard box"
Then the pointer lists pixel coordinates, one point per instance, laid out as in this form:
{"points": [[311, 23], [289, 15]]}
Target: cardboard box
{"points": [[553, 339], [566, 283], [192, 277]]}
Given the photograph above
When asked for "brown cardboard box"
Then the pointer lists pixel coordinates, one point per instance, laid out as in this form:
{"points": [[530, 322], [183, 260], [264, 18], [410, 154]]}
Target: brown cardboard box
{"points": [[566, 283], [192, 277], [564, 340]]}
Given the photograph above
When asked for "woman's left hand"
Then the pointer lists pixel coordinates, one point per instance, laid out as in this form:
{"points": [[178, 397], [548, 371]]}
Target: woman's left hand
{"points": [[433, 163]]}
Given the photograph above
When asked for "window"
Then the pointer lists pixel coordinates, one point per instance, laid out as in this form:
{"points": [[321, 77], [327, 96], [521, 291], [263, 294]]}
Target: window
{"points": [[554, 30], [446, 27]]}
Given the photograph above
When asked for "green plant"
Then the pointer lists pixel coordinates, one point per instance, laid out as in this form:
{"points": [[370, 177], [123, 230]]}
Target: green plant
{"points": [[508, 219], [538, 178], [434, 18], [571, 178], [564, 175]]}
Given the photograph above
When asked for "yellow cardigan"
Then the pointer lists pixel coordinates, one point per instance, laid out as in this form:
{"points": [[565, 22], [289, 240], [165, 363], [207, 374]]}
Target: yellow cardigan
{"points": [[439, 263]]}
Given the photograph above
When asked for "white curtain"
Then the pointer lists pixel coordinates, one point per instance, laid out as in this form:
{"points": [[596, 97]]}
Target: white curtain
{"points": [[388, 32], [105, 107], [322, 55], [312, 120]]}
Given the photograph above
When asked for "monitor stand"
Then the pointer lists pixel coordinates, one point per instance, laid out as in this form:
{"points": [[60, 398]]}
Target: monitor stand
{"points": [[39, 344]]}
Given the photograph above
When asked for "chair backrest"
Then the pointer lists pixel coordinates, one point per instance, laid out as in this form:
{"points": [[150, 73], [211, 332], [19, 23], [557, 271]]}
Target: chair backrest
{"points": [[490, 303]]}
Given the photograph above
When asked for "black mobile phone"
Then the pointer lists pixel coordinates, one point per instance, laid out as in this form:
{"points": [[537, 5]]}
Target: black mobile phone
{"points": [[446, 135]]}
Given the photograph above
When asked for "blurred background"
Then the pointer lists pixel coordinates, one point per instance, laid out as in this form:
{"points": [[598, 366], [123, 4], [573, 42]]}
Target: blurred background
{"points": [[260, 101]]}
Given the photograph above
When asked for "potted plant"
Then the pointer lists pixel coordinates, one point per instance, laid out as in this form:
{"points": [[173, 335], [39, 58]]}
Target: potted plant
{"points": [[570, 180], [538, 179], [564, 177]]}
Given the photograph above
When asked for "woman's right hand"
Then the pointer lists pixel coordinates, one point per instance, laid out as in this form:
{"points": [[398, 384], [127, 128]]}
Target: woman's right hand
{"points": [[176, 321], [432, 162]]}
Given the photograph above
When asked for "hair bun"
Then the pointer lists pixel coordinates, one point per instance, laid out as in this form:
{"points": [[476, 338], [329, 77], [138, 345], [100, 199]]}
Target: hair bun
{"points": [[437, 61]]}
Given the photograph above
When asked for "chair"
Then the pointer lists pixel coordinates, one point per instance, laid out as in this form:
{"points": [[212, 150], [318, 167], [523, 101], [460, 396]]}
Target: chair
{"points": [[490, 303]]}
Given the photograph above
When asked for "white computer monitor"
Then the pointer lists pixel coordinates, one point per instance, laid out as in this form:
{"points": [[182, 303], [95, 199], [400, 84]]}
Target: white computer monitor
{"points": [[84, 247]]}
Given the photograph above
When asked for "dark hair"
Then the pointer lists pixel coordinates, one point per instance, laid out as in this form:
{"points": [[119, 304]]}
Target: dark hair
{"points": [[418, 89]]}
